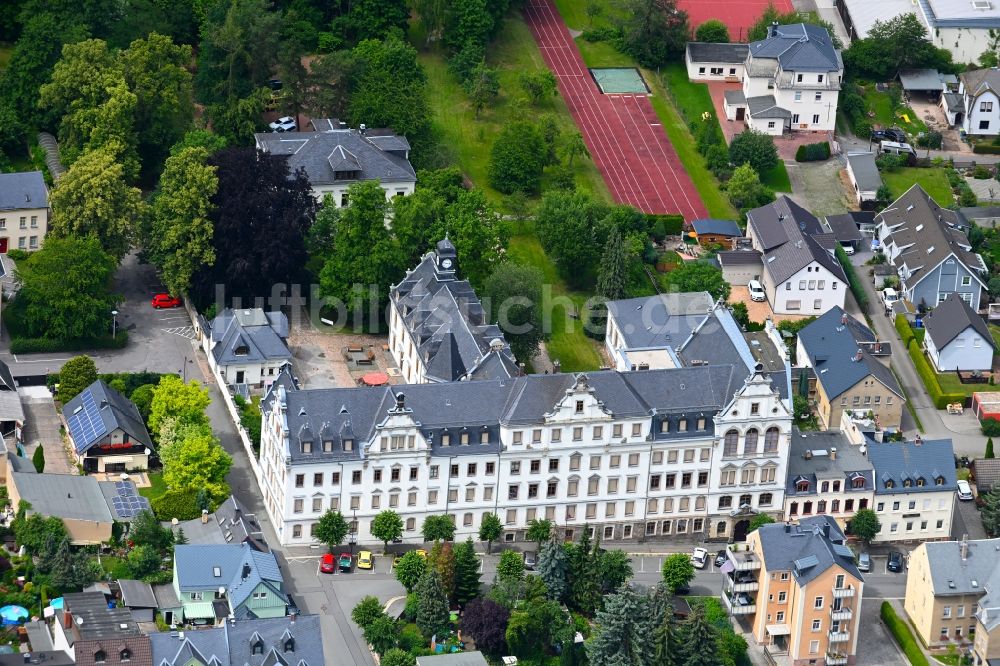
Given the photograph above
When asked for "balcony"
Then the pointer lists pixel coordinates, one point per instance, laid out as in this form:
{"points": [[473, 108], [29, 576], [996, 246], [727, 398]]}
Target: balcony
{"points": [[741, 581], [841, 615], [843, 592], [836, 659], [839, 636], [744, 560], [739, 603]]}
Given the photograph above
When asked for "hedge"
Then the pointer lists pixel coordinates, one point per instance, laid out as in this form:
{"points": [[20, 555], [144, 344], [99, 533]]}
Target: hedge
{"points": [[986, 149], [940, 399], [813, 152], [852, 279], [904, 329], [175, 504], [48, 345], [904, 637]]}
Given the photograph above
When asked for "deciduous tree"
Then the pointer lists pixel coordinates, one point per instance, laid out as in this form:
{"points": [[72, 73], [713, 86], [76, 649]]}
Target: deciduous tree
{"points": [[397, 657], [387, 526], [442, 560], [615, 568], [865, 525], [698, 276], [510, 566], [367, 611], [490, 530], [712, 30], [517, 158], [755, 148], [331, 528], [539, 531], [538, 85], [438, 528], [409, 569], [483, 86], [486, 622], [197, 461], [174, 399], [381, 634], [758, 520], [515, 299], [653, 31], [677, 571], [76, 374]]}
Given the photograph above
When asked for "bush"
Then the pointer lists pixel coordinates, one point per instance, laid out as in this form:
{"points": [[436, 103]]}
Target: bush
{"points": [[904, 637], [50, 345], [862, 129], [605, 33], [860, 295], [991, 428], [930, 139], [813, 152], [904, 329], [986, 149], [18, 255], [662, 226], [175, 504]]}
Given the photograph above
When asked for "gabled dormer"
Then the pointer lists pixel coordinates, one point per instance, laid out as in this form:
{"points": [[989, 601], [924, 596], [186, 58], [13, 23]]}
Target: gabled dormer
{"points": [[578, 403]]}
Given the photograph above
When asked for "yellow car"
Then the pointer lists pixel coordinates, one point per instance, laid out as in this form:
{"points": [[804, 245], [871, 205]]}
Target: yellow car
{"points": [[365, 559], [422, 553]]}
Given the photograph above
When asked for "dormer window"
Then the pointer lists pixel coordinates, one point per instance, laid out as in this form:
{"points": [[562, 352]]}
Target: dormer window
{"points": [[100, 657], [445, 439], [241, 350], [464, 439], [802, 486], [858, 482], [939, 481], [258, 647], [890, 484], [484, 437], [307, 447], [327, 445], [348, 444], [920, 482], [125, 655], [290, 645], [907, 483]]}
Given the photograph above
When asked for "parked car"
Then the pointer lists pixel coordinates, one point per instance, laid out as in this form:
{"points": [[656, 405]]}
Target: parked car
{"points": [[895, 564], [889, 297], [699, 558], [756, 291], [283, 124], [166, 301], [530, 560], [896, 148], [720, 557], [365, 559], [848, 248], [864, 562], [891, 134], [327, 563], [345, 562], [964, 490]]}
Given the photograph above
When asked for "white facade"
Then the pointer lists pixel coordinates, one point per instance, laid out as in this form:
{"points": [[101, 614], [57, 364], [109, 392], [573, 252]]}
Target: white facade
{"points": [[714, 71], [914, 516], [811, 291], [338, 191], [403, 350], [624, 358], [579, 466], [982, 112], [23, 229], [967, 351]]}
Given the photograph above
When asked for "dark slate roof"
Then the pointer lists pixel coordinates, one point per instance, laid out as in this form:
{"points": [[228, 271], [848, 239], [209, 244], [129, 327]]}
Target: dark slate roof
{"points": [[987, 473], [832, 348], [19, 191], [953, 574], [739, 257], [716, 53], [926, 235], [792, 238], [204, 646], [261, 334], [978, 81], [382, 156], [798, 47], [661, 320], [96, 620], [68, 496], [137, 594], [448, 323], [6, 378], [718, 227], [807, 549], [844, 228], [787, 260], [97, 412], [765, 106], [735, 97], [195, 566], [453, 659], [900, 462], [866, 173], [951, 317], [811, 458], [303, 631], [46, 657], [921, 80]]}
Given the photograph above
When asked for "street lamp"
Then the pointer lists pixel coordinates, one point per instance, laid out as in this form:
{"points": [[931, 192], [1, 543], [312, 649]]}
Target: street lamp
{"points": [[114, 324]]}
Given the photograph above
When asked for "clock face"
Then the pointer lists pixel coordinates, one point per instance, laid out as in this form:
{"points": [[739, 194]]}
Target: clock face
{"points": [[446, 263]]}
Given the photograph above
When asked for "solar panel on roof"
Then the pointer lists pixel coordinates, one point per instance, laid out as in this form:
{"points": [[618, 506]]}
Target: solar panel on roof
{"points": [[806, 562], [843, 551]]}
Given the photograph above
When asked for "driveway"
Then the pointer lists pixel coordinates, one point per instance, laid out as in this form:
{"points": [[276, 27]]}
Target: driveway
{"points": [[41, 428], [876, 646], [967, 523]]}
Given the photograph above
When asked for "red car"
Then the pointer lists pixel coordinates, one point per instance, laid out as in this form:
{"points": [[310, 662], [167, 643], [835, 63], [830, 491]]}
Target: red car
{"points": [[165, 301], [328, 564]]}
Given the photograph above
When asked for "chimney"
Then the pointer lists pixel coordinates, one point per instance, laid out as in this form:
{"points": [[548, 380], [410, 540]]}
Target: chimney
{"points": [[556, 367], [246, 571], [291, 618], [67, 620], [204, 516], [826, 530], [917, 441], [857, 356], [964, 548], [788, 526], [400, 402], [833, 453]]}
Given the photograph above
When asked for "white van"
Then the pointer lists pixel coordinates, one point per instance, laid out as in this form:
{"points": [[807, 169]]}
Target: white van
{"points": [[896, 148], [756, 291]]}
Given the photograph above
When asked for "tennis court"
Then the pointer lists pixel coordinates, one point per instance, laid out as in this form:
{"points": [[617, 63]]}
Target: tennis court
{"points": [[619, 80], [738, 15]]}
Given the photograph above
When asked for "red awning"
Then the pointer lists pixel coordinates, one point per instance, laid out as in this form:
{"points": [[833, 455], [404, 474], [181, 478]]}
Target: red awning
{"points": [[375, 379]]}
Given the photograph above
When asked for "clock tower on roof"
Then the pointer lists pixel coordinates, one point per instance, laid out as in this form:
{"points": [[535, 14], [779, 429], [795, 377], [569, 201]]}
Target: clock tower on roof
{"points": [[447, 260]]}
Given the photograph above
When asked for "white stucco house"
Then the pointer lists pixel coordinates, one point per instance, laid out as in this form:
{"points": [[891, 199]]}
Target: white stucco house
{"points": [[248, 346], [979, 93], [791, 80], [335, 156], [864, 176], [957, 337], [24, 210]]}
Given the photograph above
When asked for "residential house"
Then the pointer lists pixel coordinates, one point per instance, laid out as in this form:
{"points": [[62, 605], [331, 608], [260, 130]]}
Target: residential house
{"points": [[453, 659], [438, 329], [76, 499], [979, 91], [827, 475], [645, 333], [798, 589], [948, 589], [11, 410], [801, 274], [626, 454], [93, 633], [711, 61], [846, 228], [957, 337], [247, 346], [292, 641], [107, 431], [987, 217], [230, 523], [710, 232], [932, 257], [963, 28], [914, 489], [842, 354], [24, 210], [986, 474], [215, 582], [864, 176], [335, 156]]}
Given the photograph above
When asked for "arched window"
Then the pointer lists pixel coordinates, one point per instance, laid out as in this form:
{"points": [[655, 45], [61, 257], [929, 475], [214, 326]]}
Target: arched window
{"points": [[807, 508], [835, 506], [821, 506], [726, 502], [745, 500], [771, 440], [858, 482], [802, 486], [793, 509], [890, 484], [720, 528], [729, 447], [750, 442]]}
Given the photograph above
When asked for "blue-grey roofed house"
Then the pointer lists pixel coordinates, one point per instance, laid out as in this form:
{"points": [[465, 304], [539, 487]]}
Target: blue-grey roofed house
{"points": [[716, 232], [914, 488], [107, 431], [285, 641], [24, 210], [248, 346], [213, 582], [844, 356]]}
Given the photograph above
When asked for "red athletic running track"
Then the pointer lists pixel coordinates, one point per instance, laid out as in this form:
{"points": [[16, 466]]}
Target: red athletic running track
{"points": [[622, 132]]}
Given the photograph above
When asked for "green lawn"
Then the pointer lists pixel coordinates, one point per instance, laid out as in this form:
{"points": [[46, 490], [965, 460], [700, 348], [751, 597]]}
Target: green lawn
{"points": [[879, 104], [156, 488], [995, 332], [574, 13], [565, 341], [469, 138], [933, 180], [950, 384]]}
